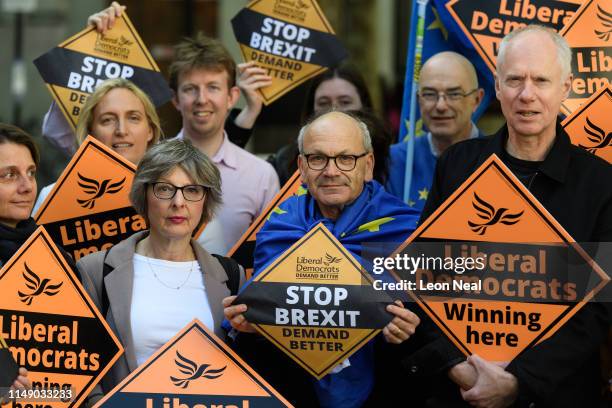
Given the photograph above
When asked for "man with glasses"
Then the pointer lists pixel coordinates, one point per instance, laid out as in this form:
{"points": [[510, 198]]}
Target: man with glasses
{"points": [[336, 165], [448, 95]]}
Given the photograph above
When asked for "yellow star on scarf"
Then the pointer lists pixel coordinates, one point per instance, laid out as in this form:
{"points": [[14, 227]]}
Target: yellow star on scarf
{"points": [[275, 210], [423, 194], [418, 129], [437, 24], [411, 203]]}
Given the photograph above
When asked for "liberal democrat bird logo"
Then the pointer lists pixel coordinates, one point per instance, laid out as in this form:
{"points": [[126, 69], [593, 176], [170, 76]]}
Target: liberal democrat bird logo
{"points": [[331, 259], [37, 286], [491, 216], [97, 190], [193, 371], [598, 136], [606, 20], [124, 41]]}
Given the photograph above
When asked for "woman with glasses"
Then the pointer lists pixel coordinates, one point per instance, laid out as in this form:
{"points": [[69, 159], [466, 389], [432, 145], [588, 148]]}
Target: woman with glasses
{"points": [[157, 281]]}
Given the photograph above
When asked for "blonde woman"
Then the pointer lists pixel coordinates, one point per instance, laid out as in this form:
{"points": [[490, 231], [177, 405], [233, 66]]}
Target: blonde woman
{"points": [[120, 115]]}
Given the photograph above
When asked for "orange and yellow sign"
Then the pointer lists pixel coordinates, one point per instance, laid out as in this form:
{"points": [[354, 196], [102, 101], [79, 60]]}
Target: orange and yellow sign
{"points": [[73, 69], [292, 40], [316, 303], [534, 276], [590, 127], [88, 209], [194, 369], [589, 35], [486, 22], [243, 250], [51, 325]]}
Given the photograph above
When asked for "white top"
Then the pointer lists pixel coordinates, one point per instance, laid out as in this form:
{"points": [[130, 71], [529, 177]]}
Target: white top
{"points": [[159, 310]]}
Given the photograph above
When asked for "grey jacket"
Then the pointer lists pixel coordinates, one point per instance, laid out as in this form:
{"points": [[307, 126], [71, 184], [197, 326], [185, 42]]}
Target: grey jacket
{"points": [[119, 284]]}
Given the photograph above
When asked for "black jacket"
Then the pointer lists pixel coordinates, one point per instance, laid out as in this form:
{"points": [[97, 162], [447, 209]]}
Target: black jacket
{"points": [[576, 188], [11, 239]]}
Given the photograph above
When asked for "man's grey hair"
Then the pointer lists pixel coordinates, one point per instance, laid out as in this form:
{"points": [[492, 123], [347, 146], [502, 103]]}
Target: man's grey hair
{"points": [[363, 129], [564, 53], [164, 157]]}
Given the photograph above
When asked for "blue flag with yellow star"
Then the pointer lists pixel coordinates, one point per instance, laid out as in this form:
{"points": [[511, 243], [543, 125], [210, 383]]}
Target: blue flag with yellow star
{"points": [[441, 34]]}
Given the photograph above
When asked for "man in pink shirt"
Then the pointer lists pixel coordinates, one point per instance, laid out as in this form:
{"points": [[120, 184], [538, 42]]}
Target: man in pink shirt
{"points": [[203, 78]]}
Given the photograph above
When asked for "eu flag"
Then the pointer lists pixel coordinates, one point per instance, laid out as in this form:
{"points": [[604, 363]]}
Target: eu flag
{"points": [[441, 33]]}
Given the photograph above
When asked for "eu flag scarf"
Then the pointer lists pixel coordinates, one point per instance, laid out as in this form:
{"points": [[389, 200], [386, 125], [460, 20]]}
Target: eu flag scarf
{"points": [[374, 217]]}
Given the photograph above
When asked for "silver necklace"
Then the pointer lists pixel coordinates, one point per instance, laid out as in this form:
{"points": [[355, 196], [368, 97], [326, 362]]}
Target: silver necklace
{"points": [[164, 283]]}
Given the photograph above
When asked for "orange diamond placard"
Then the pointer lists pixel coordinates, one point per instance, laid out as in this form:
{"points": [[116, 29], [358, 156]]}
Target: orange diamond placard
{"points": [[589, 34], [533, 278], [194, 369], [486, 22], [73, 69], [50, 324], [292, 40], [88, 209], [316, 303], [590, 127], [243, 251]]}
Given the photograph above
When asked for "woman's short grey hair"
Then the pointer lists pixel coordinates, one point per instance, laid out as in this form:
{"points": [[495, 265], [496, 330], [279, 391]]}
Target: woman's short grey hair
{"points": [[363, 128], [564, 53], [164, 157]]}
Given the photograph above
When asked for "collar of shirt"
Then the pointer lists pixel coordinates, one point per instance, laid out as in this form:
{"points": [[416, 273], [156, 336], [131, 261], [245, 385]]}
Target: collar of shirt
{"points": [[225, 154], [473, 135], [556, 163]]}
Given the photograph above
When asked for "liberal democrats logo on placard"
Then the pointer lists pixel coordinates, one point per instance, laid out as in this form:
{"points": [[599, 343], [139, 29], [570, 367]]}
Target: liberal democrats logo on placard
{"points": [[37, 286], [491, 216], [96, 189], [606, 20], [331, 259], [193, 371], [596, 135]]}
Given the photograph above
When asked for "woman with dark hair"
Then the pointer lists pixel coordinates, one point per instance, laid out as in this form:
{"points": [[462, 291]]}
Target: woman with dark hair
{"points": [[18, 162], [342, 88]]}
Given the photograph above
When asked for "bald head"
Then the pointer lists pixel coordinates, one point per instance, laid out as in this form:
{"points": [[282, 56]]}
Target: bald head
{"points": [[445, 62], [330, 119], [448, 95]]}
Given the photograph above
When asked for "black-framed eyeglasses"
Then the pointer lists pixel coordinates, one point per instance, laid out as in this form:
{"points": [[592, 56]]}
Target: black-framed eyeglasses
{"points": [[344, 162], [167, 191], [432, 96]]}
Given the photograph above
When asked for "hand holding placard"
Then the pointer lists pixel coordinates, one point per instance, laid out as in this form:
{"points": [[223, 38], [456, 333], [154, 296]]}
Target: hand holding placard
{"points": [[104, 20], [251, 78], [316, 303], [234, 314], [403, 324], [22, 382]]}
